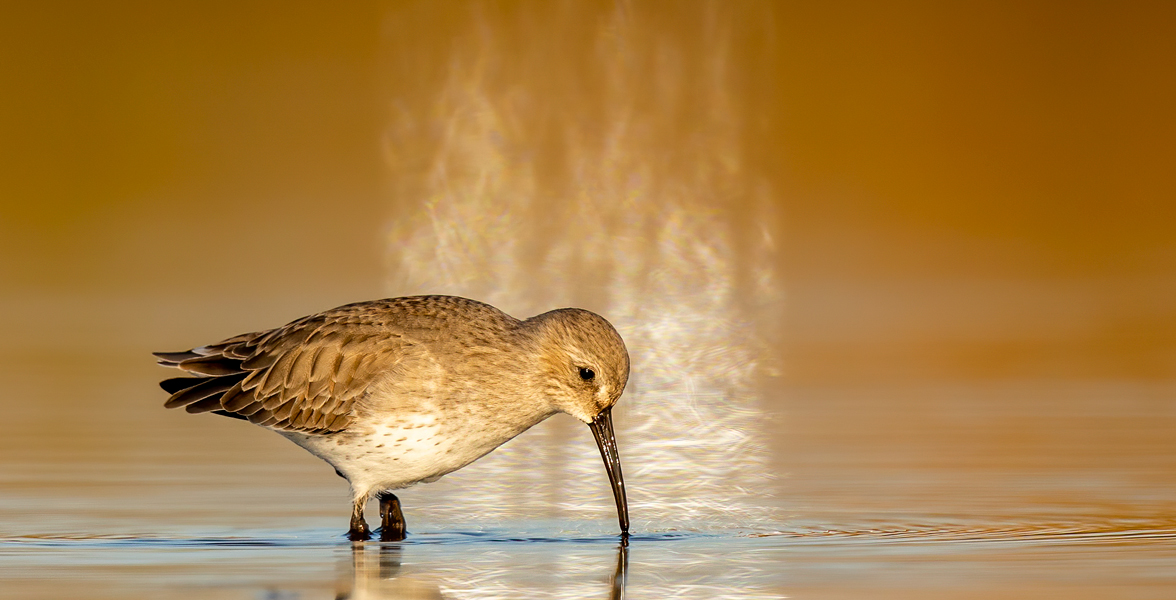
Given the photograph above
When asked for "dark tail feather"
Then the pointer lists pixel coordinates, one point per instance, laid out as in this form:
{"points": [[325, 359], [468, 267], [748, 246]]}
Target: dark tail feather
{"points": [[225, 413], [209, 404], [211, 365], [171, 359], [200, 391], [218, 370], [179, 384]]}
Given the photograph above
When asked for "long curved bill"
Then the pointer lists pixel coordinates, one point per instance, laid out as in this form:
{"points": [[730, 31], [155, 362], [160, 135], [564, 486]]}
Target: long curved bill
{"points": [[602, 430]]}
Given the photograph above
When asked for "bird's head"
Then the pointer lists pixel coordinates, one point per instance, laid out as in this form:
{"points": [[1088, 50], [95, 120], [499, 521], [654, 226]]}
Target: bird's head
{"points": [[584, 367], [584, 363]]}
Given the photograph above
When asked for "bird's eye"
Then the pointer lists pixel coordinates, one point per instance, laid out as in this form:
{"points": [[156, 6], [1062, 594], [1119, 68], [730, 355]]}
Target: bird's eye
{"points": [[586, 373]]}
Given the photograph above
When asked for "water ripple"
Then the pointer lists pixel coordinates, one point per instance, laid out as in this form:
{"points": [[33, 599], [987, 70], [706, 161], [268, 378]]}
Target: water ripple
{"points": [[1108, 532], [314, 539], [1128, 531]]}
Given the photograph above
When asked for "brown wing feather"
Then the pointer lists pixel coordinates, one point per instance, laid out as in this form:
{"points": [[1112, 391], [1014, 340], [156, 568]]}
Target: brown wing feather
{"points": [[305, 377]]}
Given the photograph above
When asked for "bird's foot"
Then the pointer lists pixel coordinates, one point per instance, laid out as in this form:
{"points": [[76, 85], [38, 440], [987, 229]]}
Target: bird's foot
{"points": [[392, 525], [359, 531]]}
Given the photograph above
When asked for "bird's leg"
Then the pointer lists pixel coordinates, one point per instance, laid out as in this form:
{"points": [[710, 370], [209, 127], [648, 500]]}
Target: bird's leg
{"points": [[392, 526], [359, 530]]}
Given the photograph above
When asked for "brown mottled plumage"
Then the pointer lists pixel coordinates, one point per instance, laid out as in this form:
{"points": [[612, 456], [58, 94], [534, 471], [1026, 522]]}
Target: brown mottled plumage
{"points": [[403, 390]]}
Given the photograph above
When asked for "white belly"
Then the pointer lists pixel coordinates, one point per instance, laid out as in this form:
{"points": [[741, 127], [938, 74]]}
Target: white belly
{"points": [[393, 453]]}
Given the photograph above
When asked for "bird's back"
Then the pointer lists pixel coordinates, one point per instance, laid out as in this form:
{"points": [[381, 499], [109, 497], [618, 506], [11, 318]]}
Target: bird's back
{"points": [[313, 375]]}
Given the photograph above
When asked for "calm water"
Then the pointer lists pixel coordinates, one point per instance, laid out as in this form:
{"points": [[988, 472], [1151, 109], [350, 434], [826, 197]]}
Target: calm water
{"points": [[1016, 490]]}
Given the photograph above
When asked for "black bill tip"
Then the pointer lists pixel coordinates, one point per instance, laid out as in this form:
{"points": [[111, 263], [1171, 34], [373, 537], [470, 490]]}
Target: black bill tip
{"points": [[602, 430]]}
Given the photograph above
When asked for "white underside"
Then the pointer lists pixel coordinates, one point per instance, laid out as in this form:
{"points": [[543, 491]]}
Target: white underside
{"points": [[397, 452]]}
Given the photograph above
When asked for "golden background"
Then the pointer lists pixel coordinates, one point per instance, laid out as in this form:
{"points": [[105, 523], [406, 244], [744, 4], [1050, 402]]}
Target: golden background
{"points": [[980, 190]]}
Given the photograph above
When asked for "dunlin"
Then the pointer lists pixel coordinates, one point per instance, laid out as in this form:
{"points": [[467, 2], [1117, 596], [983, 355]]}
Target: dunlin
{"points": [[405, 390]]}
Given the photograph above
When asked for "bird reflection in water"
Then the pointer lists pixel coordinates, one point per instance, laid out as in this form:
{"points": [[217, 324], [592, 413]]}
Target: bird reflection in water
{"points": [[620, 575], [378, 574]]}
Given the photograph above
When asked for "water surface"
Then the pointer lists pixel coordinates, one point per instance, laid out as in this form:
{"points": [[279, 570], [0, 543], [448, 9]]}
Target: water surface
{"points": [[1017, 490]]}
